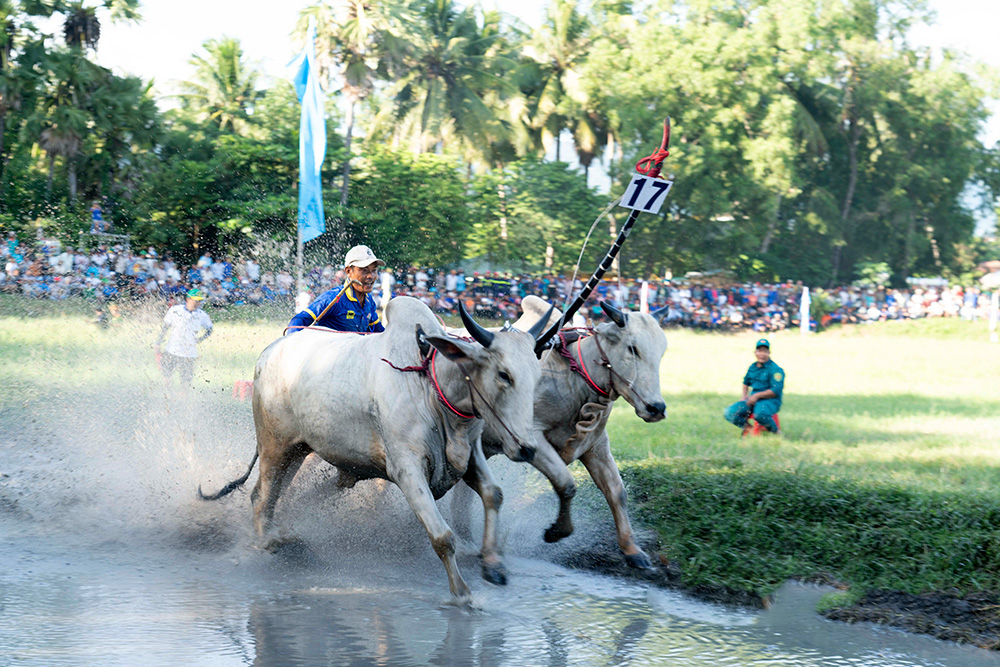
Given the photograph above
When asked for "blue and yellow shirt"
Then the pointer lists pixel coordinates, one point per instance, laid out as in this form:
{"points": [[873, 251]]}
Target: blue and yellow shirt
{"points": [[769, 376], [348, 314]]}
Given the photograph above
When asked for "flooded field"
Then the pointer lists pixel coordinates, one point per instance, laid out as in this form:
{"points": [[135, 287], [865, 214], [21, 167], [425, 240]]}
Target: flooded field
{"points": [[108, 558]]}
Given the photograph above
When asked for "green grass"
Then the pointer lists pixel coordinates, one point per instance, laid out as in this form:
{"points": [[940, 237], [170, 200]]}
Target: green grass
{"points": [[887, 475]]}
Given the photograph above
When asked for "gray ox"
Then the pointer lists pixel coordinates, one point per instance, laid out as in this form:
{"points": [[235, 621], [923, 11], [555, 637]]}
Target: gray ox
{"points": [[571, 415], [330, 393]]}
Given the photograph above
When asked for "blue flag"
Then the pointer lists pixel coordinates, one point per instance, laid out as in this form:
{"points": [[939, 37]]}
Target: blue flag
{"points": [[312, 140]]}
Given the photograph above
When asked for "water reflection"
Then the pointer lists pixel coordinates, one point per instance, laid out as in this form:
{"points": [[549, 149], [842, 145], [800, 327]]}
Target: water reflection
{"points": [[63, 602]]}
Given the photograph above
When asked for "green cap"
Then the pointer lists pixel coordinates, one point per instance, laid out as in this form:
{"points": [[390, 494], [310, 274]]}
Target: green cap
{"points": [[196, 294], [762, 343]]}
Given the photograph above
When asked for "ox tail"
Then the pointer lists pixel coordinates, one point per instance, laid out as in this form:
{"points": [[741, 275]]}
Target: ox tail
{"points": [[232, 486]]}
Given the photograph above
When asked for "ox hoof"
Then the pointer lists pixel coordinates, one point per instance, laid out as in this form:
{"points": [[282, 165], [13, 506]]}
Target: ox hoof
{"points": [[462, 600], [556, 532], [284, 546], [639, 561], [495, 574]]}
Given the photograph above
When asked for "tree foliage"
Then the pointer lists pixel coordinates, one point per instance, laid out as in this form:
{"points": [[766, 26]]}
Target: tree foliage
{"points": [[811, 140]]}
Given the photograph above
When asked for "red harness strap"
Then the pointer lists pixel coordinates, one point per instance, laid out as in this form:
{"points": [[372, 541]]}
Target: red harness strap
{"points": [[576, 364], [427, 368]]}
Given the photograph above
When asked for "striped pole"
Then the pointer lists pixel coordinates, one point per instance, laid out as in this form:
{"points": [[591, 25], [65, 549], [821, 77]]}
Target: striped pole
{"points": [[649, 166]]}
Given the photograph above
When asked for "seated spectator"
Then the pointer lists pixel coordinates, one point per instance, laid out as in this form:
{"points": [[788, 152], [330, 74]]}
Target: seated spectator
{"points": [[763, 386]]}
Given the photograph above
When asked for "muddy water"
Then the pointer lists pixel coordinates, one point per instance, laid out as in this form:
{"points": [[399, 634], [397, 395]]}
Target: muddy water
{"points": [[106, 558]]}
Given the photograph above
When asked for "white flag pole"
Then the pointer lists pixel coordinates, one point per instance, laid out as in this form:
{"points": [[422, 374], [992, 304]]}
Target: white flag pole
{"points": [[804, 311], [995, 315]]}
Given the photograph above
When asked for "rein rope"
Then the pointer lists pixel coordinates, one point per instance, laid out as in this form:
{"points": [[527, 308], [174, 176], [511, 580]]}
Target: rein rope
{"points": [[577, 365], [427, 369], [607, 364]]}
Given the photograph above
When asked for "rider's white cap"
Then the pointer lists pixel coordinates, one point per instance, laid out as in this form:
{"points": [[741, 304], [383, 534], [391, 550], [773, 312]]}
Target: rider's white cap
{"points": [[361, 256]]}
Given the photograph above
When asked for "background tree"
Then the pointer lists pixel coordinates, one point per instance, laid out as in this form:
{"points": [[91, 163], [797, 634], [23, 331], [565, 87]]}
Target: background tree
{"points": [[61, 117], [224, 89], [354, 42], [450, 63], [81, 26]]}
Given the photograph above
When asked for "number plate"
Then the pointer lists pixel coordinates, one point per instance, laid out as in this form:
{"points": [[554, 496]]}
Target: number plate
{"points": [[645, 193]]}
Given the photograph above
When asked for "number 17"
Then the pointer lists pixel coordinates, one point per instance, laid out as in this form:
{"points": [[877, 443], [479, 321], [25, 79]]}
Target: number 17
{"points": [[656, 199]]}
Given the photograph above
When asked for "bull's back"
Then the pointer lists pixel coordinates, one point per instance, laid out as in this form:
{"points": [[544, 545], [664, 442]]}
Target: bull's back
{"points": [[311, 387]]}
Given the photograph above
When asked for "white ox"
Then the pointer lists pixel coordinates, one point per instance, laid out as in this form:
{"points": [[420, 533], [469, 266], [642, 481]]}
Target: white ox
{"points": [[571, 414], [331, 393]]}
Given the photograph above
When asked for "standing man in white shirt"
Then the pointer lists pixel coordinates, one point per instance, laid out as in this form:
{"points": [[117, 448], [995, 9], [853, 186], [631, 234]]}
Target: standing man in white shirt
{"points": [[184, 324], [253, 270]]}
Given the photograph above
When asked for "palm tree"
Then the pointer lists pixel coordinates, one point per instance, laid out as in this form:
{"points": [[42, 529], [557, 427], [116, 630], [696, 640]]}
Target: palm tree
{"points": [[451, 66], [61, 119], [224, 89], [125, 127], [551, 79], [82, 29], [19, 76], [354, 39]]}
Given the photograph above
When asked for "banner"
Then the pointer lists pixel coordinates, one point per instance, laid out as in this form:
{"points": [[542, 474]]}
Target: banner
{"points": [[312, 140]]}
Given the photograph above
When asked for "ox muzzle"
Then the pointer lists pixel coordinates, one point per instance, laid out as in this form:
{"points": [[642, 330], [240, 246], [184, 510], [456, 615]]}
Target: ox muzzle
{"points": [[652, 412]]}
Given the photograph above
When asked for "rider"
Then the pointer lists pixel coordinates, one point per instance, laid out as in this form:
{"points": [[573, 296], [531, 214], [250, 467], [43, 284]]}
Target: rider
{"points": [[762, 388], [351, 307]]}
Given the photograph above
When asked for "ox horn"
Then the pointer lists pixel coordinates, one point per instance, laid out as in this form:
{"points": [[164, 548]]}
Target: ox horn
{"points": [[660, 312], [481, 335], [539, 327], [617, 316]]}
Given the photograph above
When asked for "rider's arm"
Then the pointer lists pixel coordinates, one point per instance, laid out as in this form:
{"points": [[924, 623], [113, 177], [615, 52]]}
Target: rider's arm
{"points": [[308, 316]]}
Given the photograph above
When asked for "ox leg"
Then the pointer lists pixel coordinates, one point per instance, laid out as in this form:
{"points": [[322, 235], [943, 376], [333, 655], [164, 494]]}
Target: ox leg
{"points": [[603, 469], [547, 462], [408, 478], [275, 473], [461, 516], [480, 479]]}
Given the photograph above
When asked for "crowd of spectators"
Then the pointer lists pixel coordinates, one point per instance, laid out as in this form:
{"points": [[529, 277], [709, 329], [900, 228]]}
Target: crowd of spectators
{"points": [[47, 269]]}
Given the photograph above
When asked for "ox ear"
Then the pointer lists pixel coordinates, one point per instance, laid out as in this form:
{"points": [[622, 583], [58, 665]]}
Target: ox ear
{"points": [[422, 343], [456, 350]]}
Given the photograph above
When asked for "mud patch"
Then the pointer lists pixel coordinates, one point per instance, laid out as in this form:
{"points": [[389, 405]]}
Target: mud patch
{"points": [[603, 556], [969, 619], [206, 536]]}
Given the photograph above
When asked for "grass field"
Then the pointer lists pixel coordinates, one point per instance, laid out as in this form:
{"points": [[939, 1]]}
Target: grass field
{"points": [[887, 475]]}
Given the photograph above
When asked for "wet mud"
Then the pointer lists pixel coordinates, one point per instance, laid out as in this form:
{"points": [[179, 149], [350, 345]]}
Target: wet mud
{"points": [[967, 619]]}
